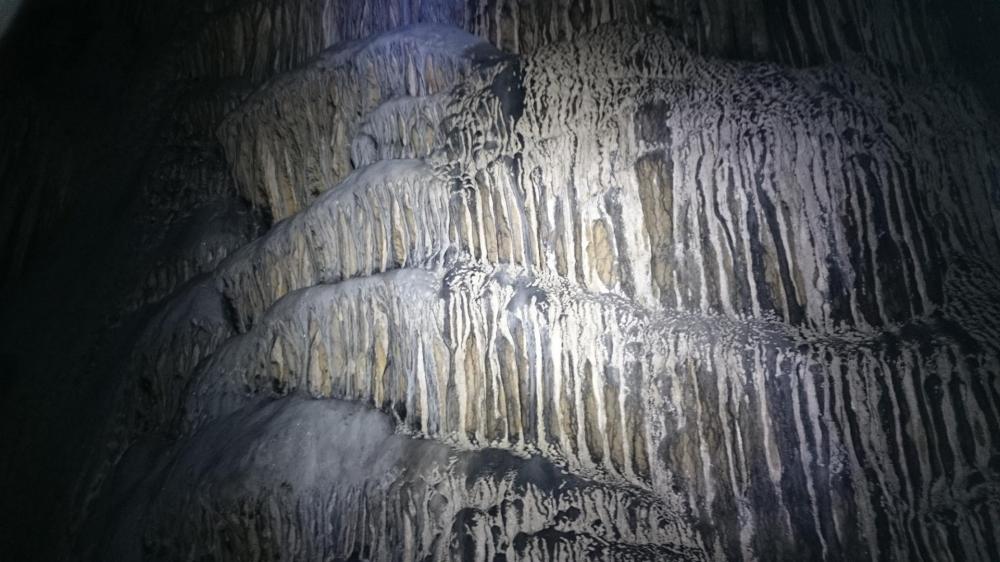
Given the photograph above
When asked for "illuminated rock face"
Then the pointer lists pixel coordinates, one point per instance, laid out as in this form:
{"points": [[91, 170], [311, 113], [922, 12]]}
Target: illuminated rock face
{"points": [[256, 38], [358, 491], [746, 310], [603, 299], [304, 132]]}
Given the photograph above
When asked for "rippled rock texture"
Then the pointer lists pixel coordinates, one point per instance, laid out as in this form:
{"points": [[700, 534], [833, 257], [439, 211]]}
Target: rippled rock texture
{"points": [[562, 291]]}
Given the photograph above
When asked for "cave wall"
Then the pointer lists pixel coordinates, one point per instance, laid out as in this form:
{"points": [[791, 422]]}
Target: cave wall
{"points": [[242, 43], [491, 280]]}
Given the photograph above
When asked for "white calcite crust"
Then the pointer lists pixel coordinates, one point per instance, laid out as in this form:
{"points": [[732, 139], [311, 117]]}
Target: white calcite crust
{"points": [[741, 311]]}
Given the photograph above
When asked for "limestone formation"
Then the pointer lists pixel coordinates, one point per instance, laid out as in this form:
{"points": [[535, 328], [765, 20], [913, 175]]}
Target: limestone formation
{"points": [[645, 275], [360, 491], [557, 281], [297, 137]]}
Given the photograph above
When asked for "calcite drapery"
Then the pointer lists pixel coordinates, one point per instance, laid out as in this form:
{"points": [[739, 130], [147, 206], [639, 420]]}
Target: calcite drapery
{"points": [[597, 296], [649, 274]]}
